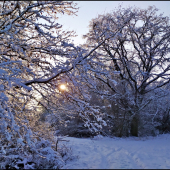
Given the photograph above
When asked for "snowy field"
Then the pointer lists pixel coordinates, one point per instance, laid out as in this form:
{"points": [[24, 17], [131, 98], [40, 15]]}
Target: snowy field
{"points": [[120, 153]]}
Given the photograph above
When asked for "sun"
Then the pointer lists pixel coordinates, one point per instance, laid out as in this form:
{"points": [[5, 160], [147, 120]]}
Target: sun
{"points": [[63, 87]]}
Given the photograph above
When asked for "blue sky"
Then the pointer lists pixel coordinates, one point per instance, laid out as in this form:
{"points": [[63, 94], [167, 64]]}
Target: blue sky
{"points": [[91, 9]]}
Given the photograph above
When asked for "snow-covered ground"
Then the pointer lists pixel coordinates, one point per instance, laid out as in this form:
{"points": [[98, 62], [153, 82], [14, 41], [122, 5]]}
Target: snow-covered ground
{"points": [[111, 153]]}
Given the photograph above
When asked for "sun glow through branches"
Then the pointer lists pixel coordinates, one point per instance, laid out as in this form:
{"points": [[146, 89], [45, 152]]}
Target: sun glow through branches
{"points": [[63, 87]]}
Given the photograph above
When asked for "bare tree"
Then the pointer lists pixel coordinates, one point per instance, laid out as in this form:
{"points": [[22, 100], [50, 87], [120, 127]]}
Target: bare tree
{"points": [[139, 54]]}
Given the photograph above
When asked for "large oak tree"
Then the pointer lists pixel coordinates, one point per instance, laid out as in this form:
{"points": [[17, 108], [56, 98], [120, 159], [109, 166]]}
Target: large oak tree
{"points": [[139, 54]]}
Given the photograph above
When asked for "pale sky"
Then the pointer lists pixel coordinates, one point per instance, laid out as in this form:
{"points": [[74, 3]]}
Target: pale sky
{"points": [[91, 9]]}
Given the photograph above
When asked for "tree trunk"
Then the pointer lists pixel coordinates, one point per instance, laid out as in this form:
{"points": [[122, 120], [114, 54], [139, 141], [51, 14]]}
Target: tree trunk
{"points": [[135, 121], [134, 126]]}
